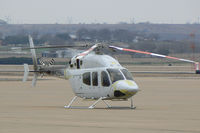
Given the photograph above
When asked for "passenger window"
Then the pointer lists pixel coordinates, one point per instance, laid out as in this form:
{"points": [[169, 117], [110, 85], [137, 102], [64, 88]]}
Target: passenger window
{"points": [[86, 78], [104, 79], [94, 79]]}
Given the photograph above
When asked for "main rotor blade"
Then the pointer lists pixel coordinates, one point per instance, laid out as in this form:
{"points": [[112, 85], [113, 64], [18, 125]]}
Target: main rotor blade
{"points": [[152, 54], [161, 72], [81, 55], [58, 46]]}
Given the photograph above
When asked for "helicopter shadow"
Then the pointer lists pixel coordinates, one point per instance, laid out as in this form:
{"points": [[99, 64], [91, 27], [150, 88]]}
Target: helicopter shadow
{"points": [[102, 108]]}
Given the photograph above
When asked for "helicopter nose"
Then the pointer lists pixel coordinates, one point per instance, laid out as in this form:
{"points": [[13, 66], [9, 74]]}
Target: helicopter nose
{"points": [[128, 85], [126, 88]]}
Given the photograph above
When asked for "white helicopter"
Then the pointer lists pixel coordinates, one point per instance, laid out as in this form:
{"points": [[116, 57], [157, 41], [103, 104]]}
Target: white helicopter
{"points": [[93, 75]]}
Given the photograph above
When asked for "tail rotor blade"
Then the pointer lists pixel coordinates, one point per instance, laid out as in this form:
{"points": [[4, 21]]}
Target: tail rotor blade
{"points": [[34, 58], [34, 79]]}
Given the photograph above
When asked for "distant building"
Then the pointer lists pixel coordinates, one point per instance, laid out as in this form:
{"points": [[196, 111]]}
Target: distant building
{"points": [[72, 36], [2, 22], [51, 54]]}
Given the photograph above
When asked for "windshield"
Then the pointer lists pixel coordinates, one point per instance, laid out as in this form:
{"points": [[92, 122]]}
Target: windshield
{"points": [[127, 74], [115, 75]]}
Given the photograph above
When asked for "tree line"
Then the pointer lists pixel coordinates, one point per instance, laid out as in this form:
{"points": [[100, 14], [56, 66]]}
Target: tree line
{"points": [[134, 39], [102, 35]]}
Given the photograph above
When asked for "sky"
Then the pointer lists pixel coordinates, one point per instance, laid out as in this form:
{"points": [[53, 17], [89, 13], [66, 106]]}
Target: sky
{"points": [[99, 11]]}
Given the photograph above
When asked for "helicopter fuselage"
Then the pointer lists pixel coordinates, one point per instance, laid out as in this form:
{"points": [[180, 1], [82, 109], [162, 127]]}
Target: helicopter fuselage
{"points": [[96, 76]]}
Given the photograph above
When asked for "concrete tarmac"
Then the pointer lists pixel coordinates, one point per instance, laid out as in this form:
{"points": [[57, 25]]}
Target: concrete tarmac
{"points": [[164, 105]]}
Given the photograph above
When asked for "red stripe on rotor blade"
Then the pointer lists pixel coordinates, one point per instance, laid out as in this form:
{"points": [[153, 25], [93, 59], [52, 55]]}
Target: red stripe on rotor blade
{"points": [[86, 52], [82, 54], [136, 51], [158, 55]]}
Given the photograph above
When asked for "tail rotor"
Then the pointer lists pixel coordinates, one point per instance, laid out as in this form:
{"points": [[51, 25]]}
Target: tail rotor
{"points": [[34, 58], [35, 64]]}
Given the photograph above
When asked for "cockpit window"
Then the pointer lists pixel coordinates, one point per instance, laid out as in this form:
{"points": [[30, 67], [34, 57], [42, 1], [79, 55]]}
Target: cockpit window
{"points": [[115, 75], [127, 74]]}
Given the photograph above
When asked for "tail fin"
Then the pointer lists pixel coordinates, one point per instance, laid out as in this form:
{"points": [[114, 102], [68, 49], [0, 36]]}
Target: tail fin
{"points": [[34, 58]]}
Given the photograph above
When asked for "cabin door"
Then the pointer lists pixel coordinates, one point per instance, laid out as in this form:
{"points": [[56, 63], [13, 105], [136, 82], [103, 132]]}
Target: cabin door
{"points": [[105, 84]]}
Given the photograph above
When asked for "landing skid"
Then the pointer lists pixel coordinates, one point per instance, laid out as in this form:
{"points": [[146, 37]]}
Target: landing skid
{"points": [[94, 104], [100, 99], [132, 106]]}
